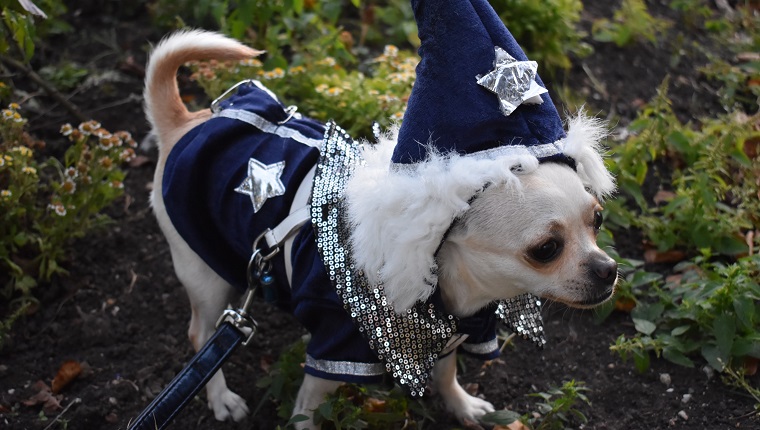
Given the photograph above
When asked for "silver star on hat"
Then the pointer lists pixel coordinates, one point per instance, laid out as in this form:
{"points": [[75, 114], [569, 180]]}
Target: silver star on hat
{"points": [[514, 82], [263, 182]]}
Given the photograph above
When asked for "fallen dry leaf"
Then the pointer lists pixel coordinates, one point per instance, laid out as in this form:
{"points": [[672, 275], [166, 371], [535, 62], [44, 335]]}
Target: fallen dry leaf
{"points": [[138, 161], [674, 279], [752, 147], [265, 363], [45, 397], [517, 425], [746, 57], [672, 256], [750, 366], [374, 405], [624, 305], [663, 196], [68, 372]]}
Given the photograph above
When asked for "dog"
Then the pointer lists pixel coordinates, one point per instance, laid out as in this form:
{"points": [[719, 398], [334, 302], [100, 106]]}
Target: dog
{"points": [[534, 234]]}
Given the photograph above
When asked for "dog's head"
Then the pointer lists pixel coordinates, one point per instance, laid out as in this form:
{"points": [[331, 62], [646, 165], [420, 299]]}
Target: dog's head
{"points": [[532, 230], [538, 238]]}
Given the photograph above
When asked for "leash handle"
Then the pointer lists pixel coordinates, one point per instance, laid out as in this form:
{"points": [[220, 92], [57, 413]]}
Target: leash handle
{"points": [[190, 380]]}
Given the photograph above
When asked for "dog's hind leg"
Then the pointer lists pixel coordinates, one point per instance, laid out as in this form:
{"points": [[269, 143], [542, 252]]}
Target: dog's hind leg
{"points": [[468, 409], [209, 296]]}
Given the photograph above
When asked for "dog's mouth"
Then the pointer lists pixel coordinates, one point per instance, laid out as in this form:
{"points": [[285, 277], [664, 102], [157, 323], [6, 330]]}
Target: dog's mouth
{"points": [[588, 303], [598, 300]]}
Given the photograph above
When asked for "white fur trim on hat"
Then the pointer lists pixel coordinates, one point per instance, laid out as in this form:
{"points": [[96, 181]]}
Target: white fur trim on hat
{"points": [[399, 214]]}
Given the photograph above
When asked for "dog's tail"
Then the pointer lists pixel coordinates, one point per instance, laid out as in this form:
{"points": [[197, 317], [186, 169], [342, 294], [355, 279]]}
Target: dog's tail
{"points": [[164, 108]]}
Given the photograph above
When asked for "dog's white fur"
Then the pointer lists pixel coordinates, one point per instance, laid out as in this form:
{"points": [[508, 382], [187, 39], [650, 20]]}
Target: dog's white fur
{"points": [[487, 255]]}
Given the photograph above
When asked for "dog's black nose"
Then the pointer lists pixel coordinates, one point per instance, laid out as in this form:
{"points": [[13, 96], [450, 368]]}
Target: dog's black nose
{"points": [[604, 269]]}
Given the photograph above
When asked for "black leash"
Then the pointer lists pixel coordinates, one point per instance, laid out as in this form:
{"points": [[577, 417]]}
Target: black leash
{"points": [[234, 327], [190, 380]]}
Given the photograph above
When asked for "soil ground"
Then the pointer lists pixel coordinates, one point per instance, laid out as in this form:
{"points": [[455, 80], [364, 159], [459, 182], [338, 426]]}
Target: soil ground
{"points": [[124, 313]]}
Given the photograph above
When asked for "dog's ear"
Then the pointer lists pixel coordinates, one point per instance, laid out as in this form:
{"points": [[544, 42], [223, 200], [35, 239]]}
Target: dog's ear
{"points": [[584, 145], [399, 214]]}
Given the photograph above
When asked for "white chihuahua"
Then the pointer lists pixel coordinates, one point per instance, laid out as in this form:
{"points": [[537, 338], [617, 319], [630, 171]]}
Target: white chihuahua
{"points": [[535, 233]]}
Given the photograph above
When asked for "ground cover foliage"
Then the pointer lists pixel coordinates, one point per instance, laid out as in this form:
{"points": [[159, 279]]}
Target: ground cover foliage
{"points": [[679, 82]]}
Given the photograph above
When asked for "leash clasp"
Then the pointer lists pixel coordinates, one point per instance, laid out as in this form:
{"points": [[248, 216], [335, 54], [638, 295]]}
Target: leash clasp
{"points": [[241, 319], [259, 268]]}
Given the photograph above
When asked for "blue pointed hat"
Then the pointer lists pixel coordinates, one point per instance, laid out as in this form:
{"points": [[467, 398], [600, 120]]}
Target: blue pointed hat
{"points": [[478, 114], [467, 54]]}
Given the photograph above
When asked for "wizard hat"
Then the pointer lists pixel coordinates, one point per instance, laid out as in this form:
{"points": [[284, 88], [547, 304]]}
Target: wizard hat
{"points": [[478, 114]]}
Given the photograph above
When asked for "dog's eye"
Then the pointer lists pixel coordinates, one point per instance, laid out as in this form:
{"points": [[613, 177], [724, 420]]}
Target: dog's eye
{"points": [[598, 219], [546, 252]]}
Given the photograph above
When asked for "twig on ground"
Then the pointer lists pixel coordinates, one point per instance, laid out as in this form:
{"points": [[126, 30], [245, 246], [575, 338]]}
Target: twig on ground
{"points": [[52, 92], [73, 402], [506, 342]]}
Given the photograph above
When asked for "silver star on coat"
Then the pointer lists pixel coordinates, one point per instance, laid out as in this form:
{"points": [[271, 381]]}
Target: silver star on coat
{"points": [[263, 182], [514, 82]]}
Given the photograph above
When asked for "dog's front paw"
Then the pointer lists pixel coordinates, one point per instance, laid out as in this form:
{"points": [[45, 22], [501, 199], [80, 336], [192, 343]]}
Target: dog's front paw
{"points": [[468, 409], [228, 405]]}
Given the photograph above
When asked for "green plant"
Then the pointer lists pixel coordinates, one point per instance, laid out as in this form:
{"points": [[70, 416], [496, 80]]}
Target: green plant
{"points": [[299, 27], [712, 310], [359, 407], [738, 76], [707, 175], [631, 23], [64, 76], [557, 410], [738, 379], [324, 90], [283, 380], [547, 30], [396, 23], [44, 205], [19, 27]]}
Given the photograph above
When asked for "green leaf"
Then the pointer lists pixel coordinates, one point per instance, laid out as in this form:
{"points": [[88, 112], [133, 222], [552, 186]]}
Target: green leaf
{"points": [[680, 330], [603, 311], [276, 61], [744, 347], [503, 417], [648, 311], [326, 411], [641, 361], [714, 358], [745, 310], [675, 356], [644, 326], [642, 278], [730, 245], [680, 142], [298, 6], [724, 330]]}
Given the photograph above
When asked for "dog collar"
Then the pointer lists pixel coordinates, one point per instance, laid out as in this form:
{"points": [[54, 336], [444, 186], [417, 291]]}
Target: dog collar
{"points": [[410, 343]]}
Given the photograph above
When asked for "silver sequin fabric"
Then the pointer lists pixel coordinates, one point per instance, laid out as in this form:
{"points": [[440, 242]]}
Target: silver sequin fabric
{"points": [[522, 315], [408, 344]]}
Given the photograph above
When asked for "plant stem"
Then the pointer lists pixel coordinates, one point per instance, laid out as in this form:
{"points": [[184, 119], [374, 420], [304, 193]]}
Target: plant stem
{"points": [[52, 92]]}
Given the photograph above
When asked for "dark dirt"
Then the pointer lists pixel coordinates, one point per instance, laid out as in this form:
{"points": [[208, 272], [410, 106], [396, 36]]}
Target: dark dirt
{"points": [[123, 312]]}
